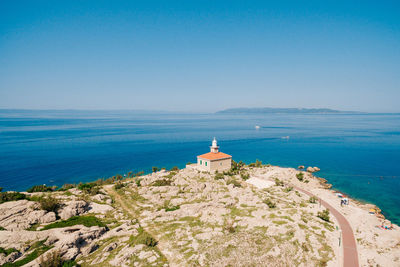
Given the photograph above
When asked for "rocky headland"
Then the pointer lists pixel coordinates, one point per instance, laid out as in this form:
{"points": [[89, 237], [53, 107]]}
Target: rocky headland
{"points": [[249, 216]]}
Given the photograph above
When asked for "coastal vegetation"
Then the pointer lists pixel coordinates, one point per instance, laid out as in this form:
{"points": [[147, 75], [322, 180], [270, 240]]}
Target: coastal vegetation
{"points": [[269, 203], [300, 176], [257, 164], [312, 200], [324, 215], [40, 188], [48, 203], [218, 176], [87, 221], [54, 259], [11, 196], [128, 219], [162, 182], [37, 249]]}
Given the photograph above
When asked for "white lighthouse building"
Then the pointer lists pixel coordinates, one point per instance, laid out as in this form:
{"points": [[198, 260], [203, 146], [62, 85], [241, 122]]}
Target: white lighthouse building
{"points": [[214, 160]]}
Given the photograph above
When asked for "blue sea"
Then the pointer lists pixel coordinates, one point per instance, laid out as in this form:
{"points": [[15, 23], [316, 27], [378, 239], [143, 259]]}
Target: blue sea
{"points": [[358, 153]]}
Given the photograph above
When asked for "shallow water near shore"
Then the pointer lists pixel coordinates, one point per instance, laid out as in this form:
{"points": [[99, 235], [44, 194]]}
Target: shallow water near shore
{"points": [[358, 153]]}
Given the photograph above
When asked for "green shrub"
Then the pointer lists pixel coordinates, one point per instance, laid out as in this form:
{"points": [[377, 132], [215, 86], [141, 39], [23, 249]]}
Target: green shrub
{"points": [[2, 228], [37, 249], [175, 169], [218, 176], [65, 187], [8, 251], [119, 186], [270, 204], [54, 259], [300, 176], [11, 196], [40, 188], [168, 207], [305, 247], [258, 163], [144, 238], [229, 226], [312, 200], [155, 169], [229, 173], [172, 208], [162, 182], [170, 175], [49, 203], [138, 182], [278, 182], [235, 168], [234, 182], [90, 188], [288, 189], [245, 176], [87, 221], [323, 215], [139, 173]]}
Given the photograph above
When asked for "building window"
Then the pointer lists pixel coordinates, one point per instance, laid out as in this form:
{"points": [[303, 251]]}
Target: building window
{"points": [[201, 162], [220, 164], [206, 163]]}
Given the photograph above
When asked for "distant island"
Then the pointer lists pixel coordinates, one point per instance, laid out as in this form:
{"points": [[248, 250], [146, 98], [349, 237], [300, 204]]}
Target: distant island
{"points": [[283, 110]]}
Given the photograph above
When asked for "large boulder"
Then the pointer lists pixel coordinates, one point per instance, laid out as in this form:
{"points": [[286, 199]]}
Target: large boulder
{"points": [[73, 208], [20, 215], [313, 169]]}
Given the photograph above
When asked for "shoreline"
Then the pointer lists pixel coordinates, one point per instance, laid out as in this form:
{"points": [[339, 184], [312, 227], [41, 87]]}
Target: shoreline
{"points": [[187, 207], [323, 181], [363, 203]]}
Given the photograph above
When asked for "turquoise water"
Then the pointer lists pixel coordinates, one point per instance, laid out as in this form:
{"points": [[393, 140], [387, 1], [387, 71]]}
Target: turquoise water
{"points": [[359, 153]]}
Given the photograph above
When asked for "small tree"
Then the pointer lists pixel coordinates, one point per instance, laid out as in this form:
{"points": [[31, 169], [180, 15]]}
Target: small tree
{"points": [[245, 176], [324, 215], [278, 182], [49, 203], [40, 188], [219, 176], [269, 203], [312, 200], [300, 176], [155, 169], [139, 173], [258, 163]]}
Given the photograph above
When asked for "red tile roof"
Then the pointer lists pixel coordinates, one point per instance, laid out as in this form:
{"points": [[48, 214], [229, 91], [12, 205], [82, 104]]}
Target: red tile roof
{"points": [[214, 156]]}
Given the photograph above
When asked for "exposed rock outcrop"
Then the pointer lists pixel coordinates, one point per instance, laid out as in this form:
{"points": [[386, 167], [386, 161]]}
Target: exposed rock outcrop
{"points": [[22, 214], [73, 208], [313, 169]]}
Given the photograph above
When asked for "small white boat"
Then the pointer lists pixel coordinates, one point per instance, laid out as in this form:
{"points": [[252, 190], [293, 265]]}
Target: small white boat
{"points": [[257, 127], [285, 137]]}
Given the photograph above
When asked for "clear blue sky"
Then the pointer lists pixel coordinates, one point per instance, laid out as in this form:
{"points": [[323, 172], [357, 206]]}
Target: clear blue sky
{"points": [[200, 55]]}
